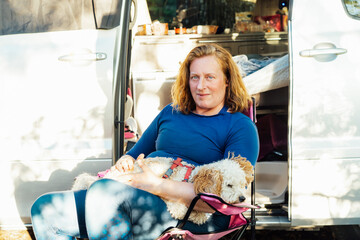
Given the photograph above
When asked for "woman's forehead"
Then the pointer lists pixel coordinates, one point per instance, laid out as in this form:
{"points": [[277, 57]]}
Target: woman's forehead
{"points": [[205, 62]]}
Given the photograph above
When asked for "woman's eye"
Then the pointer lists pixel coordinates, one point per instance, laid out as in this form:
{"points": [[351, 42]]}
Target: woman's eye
{"points": [[210, 77], [194, 78]]}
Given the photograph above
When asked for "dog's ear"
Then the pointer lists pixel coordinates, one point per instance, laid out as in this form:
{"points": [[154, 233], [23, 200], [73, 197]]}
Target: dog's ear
{"points": [[208, 180], [246, 166]]}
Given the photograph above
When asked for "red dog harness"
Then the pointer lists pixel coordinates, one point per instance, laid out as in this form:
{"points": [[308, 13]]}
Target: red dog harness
{"points": [[175, 164]]}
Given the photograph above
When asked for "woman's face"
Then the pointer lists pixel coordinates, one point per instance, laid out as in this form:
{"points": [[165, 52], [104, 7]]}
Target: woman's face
{"points": [[207, 85]]}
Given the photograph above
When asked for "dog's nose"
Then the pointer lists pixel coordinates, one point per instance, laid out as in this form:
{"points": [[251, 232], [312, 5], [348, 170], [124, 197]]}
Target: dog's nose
{"points": [[242, 198]]}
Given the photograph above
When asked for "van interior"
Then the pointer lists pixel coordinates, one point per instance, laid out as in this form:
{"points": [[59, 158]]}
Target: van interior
{"points": [[255, 33]]}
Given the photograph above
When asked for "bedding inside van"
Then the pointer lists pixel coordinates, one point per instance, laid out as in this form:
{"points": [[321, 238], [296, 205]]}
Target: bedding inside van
{"points": [[263, 74]]}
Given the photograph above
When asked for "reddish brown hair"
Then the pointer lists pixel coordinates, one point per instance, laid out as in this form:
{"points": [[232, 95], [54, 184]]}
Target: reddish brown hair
{"points": [[236, 96]]}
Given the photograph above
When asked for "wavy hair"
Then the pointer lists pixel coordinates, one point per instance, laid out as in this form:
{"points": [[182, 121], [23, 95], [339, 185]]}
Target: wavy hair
{"points": [[236, 96]]}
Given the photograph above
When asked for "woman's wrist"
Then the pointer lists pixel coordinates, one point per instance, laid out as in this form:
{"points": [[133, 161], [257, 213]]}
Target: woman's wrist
{"points": [[158, 187]]}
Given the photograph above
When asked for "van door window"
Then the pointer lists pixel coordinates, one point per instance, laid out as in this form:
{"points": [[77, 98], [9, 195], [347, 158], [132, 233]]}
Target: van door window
{"points": [[352, 7], [50, 15], [199, 12]]}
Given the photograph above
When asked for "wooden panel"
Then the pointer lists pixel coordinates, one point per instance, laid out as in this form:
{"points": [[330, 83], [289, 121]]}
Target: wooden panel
{"points": [[262, 48], [266, 7]]}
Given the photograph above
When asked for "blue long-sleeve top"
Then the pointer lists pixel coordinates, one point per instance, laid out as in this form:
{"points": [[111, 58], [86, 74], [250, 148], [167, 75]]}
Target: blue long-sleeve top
{"points": [[199, 139]]}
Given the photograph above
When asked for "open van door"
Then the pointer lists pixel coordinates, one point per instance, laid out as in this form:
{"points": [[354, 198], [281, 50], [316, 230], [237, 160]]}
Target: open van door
{"points": [[61, 68], [324, 106]]}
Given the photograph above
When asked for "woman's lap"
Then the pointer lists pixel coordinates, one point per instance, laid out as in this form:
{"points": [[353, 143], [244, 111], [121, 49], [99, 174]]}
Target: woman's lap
{"points": [[112, 210], [55, 215], [145, 213]]}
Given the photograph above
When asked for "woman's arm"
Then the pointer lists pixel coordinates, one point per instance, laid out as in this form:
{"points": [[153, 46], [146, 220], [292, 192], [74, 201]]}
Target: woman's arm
{"points": [[182, 192], [147, 142], [170, 190], [243, 140], [145, 145]]}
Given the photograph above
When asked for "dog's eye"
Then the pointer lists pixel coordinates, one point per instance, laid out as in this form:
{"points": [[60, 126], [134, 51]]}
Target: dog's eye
{"points": [[230, 185]]}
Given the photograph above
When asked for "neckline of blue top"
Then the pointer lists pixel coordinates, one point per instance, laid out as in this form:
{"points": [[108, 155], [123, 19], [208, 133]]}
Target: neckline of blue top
{"points": [[224, 110]]}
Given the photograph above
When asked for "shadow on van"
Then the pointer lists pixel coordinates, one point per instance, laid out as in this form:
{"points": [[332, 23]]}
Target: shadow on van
{"points": [[39, 177]]}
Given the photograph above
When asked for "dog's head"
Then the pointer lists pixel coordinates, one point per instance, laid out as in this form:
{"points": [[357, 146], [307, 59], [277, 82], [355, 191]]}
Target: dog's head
{"points": [[246, 166], [208, 180], [227, 178]]}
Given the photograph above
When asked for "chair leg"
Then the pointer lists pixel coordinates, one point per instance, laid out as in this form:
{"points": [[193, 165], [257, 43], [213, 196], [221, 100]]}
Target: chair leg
{"points": [[253, 232], [253, 220], [240, 232]]}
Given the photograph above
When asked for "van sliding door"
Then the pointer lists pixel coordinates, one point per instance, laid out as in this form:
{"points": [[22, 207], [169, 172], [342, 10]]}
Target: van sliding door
{"points": [[325, 121], [58, 62]]}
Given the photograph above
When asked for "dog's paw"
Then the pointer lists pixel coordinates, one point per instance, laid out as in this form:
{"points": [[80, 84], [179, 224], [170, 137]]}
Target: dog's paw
{"points": [[199, 217], [83, 181], [176, 210]]}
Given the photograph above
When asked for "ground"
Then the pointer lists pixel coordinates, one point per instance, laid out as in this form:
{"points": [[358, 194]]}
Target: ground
{"points": [[16, 235], [326, 233], [322, 234], [260, 235]]}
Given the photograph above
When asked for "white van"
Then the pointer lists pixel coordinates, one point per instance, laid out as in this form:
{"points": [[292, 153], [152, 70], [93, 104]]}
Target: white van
{"points": [[59, 64], [62, 86]]}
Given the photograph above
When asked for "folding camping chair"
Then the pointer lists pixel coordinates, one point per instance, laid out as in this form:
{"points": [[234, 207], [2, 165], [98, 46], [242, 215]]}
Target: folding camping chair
{"points": [[237, 220], [238, 223]]}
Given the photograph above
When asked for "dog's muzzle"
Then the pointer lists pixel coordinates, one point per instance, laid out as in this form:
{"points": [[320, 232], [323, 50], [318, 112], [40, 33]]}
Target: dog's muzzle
{"points": [[242, 199]]}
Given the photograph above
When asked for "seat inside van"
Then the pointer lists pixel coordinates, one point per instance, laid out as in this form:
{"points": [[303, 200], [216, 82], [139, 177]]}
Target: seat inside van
{"points": [[271, 181]]}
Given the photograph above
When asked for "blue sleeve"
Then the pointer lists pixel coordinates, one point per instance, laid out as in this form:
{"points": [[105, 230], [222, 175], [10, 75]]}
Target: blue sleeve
{"points": [[243, 140], [147, 142]]}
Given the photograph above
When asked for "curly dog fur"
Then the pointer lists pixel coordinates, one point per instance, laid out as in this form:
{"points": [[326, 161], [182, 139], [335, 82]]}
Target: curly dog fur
{"points": [[226, 178]]}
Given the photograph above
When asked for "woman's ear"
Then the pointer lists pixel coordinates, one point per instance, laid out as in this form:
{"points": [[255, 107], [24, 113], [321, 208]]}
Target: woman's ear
{"points": [[208, 181], [226, 81]]}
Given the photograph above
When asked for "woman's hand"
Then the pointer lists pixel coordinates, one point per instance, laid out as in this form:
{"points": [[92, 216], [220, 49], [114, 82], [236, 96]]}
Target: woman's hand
{"points": [[125, 164], [145, 180]]}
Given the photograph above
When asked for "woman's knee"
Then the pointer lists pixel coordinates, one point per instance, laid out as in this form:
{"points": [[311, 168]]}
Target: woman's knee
{"points": [[101, 185], [101, 193], [104, 214], [40, 202], [108, 187], [54, 215], [54, 204]]}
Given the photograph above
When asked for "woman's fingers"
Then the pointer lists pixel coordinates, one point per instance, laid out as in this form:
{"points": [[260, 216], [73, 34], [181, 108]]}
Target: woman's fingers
{"points": [[143, 166], [141, 156], [125, 163]]}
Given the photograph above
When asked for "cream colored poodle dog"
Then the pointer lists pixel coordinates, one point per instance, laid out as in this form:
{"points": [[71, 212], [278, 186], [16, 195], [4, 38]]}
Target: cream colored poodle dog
{"points": [[226, 178]]}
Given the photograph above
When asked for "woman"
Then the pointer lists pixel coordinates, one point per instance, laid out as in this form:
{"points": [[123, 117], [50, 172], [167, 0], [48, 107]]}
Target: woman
{"points": [[202, 125]]}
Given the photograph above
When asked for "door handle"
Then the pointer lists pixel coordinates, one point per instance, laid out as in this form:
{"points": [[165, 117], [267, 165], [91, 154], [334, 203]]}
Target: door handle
{"points": [[83, 56], [323, 52]]}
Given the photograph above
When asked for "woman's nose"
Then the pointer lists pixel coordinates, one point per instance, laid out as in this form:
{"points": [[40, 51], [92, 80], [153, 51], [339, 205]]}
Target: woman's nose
{"points": [[201, 83]]}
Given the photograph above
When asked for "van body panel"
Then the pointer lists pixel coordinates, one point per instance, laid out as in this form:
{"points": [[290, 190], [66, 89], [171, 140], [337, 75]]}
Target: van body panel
{"points": [[24, 181], [56, 112], [325, 192], [52, 108], [324, 124]]}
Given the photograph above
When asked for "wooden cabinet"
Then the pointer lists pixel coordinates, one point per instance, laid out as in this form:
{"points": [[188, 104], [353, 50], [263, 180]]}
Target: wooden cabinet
{"points": [[164, 53], [250, 43]]}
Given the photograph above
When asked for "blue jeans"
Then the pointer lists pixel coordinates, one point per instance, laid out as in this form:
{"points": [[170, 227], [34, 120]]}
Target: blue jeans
{"points": [[108, 210]]}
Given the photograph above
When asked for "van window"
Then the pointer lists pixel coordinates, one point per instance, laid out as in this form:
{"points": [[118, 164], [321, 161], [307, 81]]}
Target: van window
{"points": [[353, 8], [35, 16], [198, 12]]}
